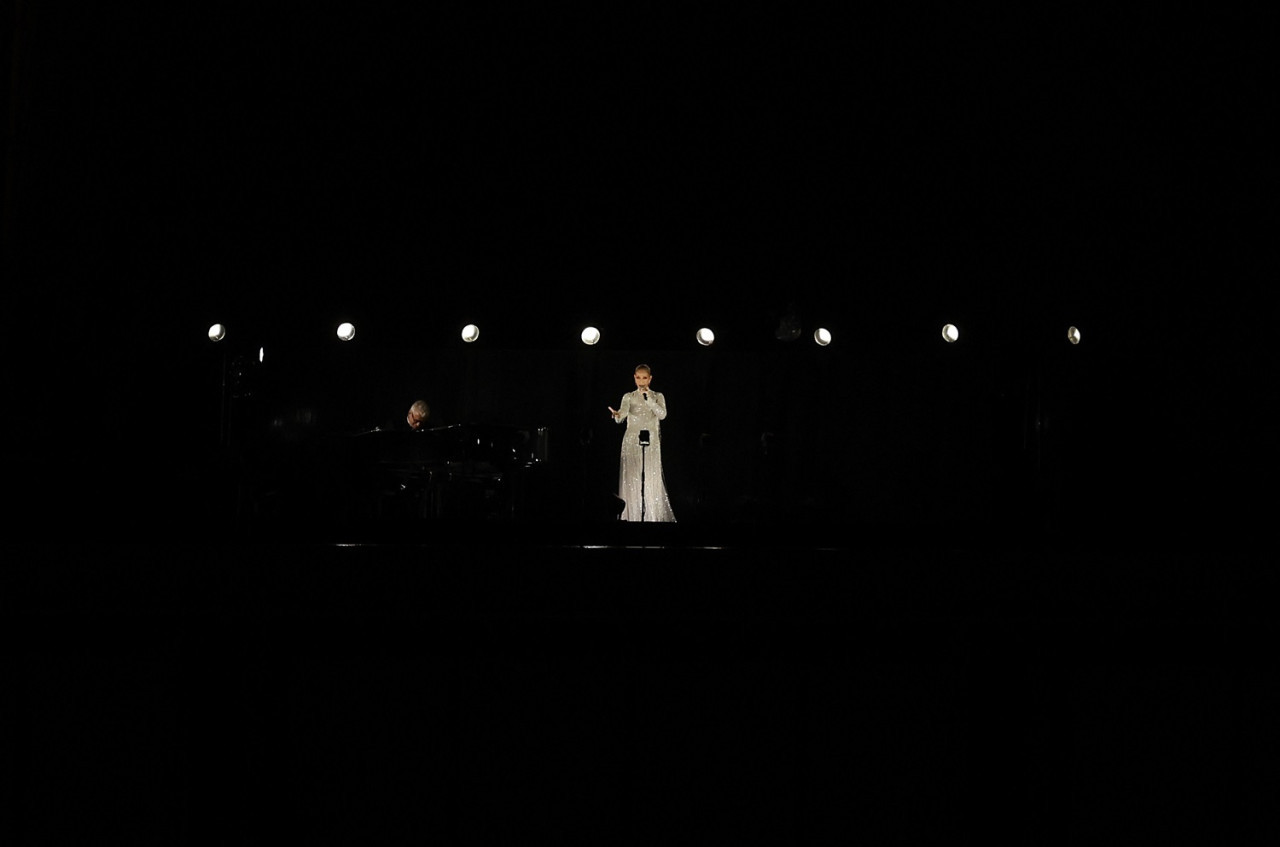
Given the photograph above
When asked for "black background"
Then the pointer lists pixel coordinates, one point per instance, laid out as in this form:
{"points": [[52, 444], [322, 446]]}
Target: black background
{"points": [[280, 171], [1005, 582]]}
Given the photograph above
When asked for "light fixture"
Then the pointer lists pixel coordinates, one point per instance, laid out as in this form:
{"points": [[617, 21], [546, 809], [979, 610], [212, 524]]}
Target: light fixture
{"points": [[950, 333], [590, 336], [821, 337], [706, 337], [217, 332], [346, 331], [1073, 335], [470, 333]]}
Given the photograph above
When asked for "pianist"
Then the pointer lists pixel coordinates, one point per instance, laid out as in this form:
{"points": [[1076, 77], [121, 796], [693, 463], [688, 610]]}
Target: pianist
{"points": [[414, 420]]}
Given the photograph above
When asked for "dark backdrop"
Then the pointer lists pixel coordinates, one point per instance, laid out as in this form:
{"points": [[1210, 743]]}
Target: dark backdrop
{"points": [[281, 169]]}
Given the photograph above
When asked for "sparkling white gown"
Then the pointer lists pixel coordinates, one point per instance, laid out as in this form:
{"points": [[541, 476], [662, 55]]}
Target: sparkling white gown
{"points": [[640, 415]]}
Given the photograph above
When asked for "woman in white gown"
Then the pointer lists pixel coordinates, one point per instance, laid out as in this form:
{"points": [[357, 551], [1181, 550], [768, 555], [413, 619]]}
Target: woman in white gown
{"points": [[640, 482]]}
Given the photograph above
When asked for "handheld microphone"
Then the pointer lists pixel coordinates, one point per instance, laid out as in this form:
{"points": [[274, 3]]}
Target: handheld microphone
{"points": [[646, 397]]}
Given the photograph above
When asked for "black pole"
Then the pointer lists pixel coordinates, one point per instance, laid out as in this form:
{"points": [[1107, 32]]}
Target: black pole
{"points": [[644, 447]]}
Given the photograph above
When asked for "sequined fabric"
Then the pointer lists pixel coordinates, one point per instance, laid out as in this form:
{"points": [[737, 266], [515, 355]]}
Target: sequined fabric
{"points": [[636, 458]]}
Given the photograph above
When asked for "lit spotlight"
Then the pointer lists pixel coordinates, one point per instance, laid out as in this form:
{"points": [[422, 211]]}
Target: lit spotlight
{"points": [[821, 337], [346, 331], [470, 333], [262, 354], [1073, 335], [590, 335], [950, 333], [706, 337], [217, 332]]}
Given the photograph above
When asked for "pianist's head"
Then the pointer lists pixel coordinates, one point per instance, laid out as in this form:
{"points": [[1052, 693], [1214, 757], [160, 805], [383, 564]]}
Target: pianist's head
{"points": [[418, 414]]}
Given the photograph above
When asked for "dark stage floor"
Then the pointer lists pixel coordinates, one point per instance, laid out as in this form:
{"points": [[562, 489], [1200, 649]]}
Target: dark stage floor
{"points": [[622, 683]]}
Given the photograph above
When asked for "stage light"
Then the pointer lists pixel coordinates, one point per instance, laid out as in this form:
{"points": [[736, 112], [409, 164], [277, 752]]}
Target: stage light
{"points": [[706, 337], [1073, 335], [950, 333], [590, 335], [262, 354], [346, 331], [470, 333], [821, 337], [217, 332]]}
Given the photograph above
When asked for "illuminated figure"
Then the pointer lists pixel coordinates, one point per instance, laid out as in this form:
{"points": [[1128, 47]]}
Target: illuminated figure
{"points": [[640, 482]]}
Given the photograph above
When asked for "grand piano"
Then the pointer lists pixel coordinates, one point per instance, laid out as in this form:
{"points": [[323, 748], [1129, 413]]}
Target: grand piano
{"points": [[460, 473]]}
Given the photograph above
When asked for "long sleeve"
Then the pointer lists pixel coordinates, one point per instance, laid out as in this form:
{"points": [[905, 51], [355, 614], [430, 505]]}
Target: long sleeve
{"points": [[658, 404]]}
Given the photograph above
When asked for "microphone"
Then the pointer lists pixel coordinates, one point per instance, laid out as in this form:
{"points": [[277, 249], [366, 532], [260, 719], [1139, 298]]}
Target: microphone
{"points": [[646, 397]]}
